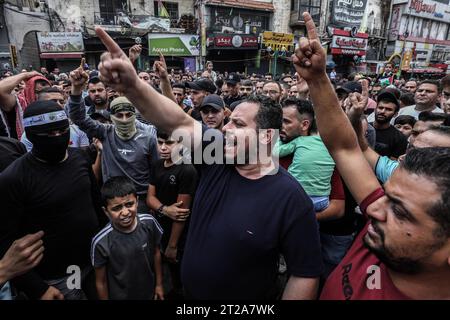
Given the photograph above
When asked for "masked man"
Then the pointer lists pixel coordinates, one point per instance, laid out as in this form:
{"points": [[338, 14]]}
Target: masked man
{"points": [[129, 146]]}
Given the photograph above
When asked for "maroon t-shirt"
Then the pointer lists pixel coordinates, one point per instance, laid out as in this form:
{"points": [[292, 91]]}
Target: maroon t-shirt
{"points": [[349, 281]]}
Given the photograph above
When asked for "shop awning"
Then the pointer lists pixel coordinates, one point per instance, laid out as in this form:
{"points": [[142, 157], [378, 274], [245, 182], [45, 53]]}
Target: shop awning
{"points": [[61, 55], [244, 4]]}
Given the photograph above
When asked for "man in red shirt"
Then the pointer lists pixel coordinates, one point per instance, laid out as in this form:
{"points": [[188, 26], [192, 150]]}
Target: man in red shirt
{"points": [[403, 252]]}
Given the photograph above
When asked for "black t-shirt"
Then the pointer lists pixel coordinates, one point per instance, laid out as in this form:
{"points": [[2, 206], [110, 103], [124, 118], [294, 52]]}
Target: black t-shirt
{"points": [[196, 114], [10, 150], [390, 142], [128, 258], [239, 227], [169, 183], [3, 131], [229, 101], [11, 122], [63, 201]]}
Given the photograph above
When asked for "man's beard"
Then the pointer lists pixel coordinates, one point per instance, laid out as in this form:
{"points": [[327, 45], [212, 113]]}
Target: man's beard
{"points": [[99, 101], [398, 264], [383, 120]]}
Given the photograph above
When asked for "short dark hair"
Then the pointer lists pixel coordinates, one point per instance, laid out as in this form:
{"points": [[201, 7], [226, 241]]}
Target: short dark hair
{"points": [[162, 134], [445, 81], [304, 107], [433, 82], [434, 163], [179, 86], [269, 115], [120, 186], [94, 80], [273, 81], [431, 116], [407, 98], [48, 90], [247, 83], [441, 130], [405, 119]]}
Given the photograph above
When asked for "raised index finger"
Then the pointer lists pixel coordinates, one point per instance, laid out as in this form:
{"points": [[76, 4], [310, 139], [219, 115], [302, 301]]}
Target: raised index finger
{"points": [[109, 43], [161, 58], [310, 26]]}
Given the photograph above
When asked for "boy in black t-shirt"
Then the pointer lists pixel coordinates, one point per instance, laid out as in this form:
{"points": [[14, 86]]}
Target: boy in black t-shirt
{"points": [[126, 254], [172, 187]]}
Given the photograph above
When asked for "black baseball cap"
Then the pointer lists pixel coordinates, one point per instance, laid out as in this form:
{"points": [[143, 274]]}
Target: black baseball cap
{"points": [[389, 96], [213, 100], [202, 84], [233, 79], [349, 87]]}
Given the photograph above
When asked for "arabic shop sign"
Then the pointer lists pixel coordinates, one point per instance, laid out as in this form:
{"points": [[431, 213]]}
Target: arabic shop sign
{"points": [[278, 40], [343, 43], [233, 41], [348, 12], [173, 45], [431, 10], [59, 42]]}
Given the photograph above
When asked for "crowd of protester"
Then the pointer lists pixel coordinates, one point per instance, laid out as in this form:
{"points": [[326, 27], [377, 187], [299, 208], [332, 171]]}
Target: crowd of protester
{"points": [[94, 178]]}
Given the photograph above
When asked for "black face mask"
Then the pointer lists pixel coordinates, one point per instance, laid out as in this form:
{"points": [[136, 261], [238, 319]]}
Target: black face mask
{"points": [[50, 149]]}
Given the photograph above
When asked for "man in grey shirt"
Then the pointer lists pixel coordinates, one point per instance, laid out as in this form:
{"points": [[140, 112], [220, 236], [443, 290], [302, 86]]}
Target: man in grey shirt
{"points": [[129, 146]]}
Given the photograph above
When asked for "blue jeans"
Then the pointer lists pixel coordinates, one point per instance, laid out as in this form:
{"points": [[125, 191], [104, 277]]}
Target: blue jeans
{"points": [[334, 249], [320, 202]]}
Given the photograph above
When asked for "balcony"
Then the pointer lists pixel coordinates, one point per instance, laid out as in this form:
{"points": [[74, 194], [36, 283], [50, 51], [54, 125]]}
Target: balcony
{"points": [[126, 23]]}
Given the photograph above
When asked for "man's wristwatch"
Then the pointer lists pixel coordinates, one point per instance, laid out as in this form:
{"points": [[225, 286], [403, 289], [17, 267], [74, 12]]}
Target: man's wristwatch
{"points": [[160, 211]]}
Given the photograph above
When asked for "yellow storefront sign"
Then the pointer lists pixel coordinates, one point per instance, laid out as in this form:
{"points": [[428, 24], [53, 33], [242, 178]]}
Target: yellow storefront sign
{"points": [[278, 40]]}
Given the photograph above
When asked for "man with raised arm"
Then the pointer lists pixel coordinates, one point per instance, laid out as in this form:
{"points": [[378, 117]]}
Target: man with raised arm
{"points": [[404, 250], [239, 224]]}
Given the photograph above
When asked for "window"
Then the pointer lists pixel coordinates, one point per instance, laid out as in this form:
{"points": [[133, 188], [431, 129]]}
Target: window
{"points": [[311, 6], [171, 7]]}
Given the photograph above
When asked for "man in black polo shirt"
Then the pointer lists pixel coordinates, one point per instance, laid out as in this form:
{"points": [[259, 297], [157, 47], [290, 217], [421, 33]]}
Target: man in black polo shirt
{"points": [[390, 142], [233, 82], [244, 215]]}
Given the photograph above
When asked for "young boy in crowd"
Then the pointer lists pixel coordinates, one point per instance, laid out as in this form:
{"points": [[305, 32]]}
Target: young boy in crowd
{"points": [[170, 194], [126, 254], [312, 166], [405, 124]]}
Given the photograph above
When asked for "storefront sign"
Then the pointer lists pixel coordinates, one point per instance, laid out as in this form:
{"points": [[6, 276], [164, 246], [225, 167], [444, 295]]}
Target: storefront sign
{"points": [[60, 42], [343, 43], [278, 40], [173, 45], [348, 12], [433, 10], [233, 41]]}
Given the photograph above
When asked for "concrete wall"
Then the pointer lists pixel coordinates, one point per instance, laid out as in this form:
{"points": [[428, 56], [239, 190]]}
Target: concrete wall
{"points": [[21, 26], [281, 16]]}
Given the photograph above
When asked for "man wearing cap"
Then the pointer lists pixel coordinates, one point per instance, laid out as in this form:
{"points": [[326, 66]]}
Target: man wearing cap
{"points": [[213, 111], [129, 146], [200, 88], [390, 142], [233, 83], [52, 188]]}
